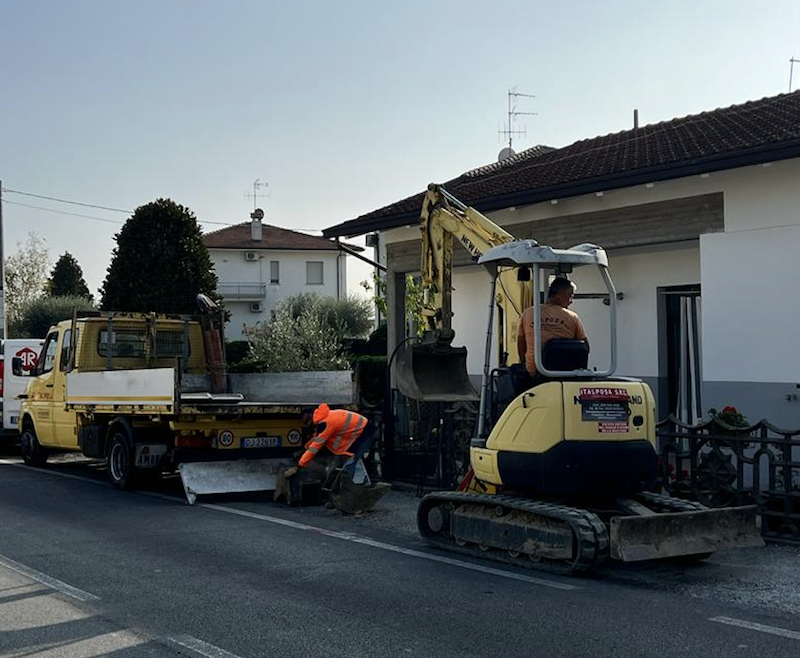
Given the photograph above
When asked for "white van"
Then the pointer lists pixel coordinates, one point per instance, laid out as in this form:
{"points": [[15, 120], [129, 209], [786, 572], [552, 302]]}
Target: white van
{"points": [[11, 385]]}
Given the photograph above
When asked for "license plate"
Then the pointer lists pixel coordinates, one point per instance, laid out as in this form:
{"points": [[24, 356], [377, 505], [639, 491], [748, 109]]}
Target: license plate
{"points": [[261, 441]]}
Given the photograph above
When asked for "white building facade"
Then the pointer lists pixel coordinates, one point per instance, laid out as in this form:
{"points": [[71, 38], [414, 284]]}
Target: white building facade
{"points": [[700, 217], [257, 266]]}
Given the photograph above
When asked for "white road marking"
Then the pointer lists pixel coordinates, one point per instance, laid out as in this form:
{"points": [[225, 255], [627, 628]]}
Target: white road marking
{"points": [[346, 536], [35, 469], [395, 549], [202, 648], [44, 579], [761, 628]]}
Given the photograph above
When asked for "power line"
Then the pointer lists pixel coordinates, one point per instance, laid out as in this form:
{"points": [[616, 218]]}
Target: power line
{"points": [[64, 212], [99, 219], [74, 203]]}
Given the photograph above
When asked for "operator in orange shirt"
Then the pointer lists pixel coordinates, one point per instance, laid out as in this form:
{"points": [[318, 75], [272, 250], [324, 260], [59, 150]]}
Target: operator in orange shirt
{"points": [[339, 431], [557, 322]]}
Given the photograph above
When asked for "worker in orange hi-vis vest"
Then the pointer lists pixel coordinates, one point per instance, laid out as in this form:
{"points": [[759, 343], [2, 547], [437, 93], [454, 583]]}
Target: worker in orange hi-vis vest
{"points": [[341, 432]]}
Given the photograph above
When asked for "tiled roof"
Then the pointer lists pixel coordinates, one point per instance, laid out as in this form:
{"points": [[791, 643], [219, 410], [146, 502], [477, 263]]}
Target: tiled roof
{"points": [[740, 135], [239, 237]]}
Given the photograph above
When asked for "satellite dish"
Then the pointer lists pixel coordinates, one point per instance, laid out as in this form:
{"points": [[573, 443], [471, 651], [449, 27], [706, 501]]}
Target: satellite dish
{"points": [[505, 154], [257, 214]]}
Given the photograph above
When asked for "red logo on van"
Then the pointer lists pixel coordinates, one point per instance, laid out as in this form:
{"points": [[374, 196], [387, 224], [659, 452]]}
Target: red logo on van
{"points": [[28, 358]]}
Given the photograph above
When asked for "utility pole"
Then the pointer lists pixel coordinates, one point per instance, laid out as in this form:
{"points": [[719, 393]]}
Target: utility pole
{"points": [[792, 62], [2, 270]]}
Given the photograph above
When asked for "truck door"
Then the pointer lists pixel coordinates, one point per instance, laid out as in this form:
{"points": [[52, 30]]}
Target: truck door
{"points": [[64, 425], [40, 391]]}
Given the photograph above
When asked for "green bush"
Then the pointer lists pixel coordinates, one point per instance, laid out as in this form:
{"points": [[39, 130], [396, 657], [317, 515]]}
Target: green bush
{"points": [[236, 351], [36, 317]]}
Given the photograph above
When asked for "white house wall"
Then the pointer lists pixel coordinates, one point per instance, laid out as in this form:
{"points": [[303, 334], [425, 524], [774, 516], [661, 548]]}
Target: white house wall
{"points": [[747, 276], [231, 267]]}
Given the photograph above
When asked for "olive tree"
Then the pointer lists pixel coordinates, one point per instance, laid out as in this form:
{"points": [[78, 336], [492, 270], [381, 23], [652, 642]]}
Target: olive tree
{"points": [[306, 333]]}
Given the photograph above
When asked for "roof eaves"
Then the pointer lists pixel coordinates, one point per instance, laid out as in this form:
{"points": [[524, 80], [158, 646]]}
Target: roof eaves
{"points": [[696, 166]]}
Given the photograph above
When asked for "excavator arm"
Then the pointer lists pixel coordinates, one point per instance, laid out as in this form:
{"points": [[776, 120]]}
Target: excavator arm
{"points": [[443, 220], [433, 369]]}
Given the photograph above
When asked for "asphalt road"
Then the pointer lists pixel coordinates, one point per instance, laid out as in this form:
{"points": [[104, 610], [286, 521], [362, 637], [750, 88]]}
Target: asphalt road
{"points": [[86, 570]]}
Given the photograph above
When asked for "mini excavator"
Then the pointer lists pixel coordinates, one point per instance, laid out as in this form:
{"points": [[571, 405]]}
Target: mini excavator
{"points": [[563, 473]]}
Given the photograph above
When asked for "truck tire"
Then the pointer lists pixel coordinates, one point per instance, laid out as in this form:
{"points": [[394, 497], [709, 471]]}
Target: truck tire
{"points": [[32, 452], [120, 459]]}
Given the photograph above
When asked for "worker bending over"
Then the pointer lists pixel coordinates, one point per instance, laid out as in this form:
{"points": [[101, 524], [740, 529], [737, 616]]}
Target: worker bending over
{"points": [[557, 322], [341, 432]]}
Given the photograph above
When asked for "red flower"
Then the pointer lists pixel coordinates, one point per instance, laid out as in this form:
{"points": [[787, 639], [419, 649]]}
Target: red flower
{"points": [[729, 410]]}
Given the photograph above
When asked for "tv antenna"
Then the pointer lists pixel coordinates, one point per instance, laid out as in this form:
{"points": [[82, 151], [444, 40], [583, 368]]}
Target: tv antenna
{"points": [[509, 131], [257, 185], [792, 62]]}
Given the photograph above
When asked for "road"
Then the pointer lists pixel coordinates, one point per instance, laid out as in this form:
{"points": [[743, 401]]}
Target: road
{"points": [[86, 570]]}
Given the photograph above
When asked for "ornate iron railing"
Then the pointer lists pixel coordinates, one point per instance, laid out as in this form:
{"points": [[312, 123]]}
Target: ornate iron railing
{"points": [[721, 466], [427, 443]]}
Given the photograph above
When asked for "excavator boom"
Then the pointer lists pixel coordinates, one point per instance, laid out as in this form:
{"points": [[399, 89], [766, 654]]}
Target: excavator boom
{"points": [[433, 369]]}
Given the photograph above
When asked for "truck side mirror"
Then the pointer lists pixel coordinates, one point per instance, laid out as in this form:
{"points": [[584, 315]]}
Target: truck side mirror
{"points": [[16, 366]]}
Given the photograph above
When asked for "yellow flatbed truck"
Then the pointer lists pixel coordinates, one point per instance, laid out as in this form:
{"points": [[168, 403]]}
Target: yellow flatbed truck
{"points": [[150, 394]]}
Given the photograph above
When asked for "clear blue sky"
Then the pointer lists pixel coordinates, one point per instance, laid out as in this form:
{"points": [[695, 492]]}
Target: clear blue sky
{"points": [[341, 106]]}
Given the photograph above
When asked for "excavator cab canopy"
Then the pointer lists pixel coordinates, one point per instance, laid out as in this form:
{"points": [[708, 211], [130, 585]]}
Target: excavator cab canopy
{"points": [[544, 260]]}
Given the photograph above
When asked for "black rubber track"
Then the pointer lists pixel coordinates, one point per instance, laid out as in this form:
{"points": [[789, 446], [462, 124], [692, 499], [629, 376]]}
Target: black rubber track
{"points": [[589, 533]]}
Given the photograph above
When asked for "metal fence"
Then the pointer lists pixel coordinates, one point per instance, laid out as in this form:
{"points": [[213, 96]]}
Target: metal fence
{"points": [[721, 466], [427, 444]]}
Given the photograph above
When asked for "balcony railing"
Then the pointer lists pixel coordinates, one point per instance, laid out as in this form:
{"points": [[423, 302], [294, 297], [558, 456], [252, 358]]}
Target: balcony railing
{"points": [[243, 291]]}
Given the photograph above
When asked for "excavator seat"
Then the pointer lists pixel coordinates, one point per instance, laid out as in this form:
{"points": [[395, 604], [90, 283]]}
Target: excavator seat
{"points": [[565, 354], [509, 382]]}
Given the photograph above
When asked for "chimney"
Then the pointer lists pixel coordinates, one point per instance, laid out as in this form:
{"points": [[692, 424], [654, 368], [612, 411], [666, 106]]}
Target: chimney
{"points": [[256, 232], [635, 119]]}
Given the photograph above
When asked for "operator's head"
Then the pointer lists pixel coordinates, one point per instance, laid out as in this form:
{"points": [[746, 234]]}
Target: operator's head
{"points": [[561, 292], [321, 413]]}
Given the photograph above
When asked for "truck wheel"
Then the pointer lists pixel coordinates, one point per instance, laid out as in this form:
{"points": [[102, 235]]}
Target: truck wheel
{"points": [[32, 452], [120, 460]]}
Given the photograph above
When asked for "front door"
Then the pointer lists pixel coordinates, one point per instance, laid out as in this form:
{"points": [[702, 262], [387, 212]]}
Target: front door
{"points": [[683, 352]]}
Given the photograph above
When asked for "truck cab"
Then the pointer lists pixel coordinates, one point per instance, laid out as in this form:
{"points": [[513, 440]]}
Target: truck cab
{"points": [[55, 426]]}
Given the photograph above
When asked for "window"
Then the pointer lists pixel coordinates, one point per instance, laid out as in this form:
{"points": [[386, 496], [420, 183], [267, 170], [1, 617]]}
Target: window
{"points": [[171, 344], [66, 350], [314, 273], [132, 343], [274, 271], [48, 357], [129, 342]]}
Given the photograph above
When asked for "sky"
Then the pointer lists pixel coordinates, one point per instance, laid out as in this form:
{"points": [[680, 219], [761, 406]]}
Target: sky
{"points": [[336, 107]]}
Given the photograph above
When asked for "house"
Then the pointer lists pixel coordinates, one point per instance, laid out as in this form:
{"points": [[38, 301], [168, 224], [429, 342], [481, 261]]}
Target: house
{"points": [[257, 265], [700, 216]]}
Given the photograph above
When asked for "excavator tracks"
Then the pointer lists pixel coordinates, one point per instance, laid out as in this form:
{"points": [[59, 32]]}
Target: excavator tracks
{"points": [[534, 534]]}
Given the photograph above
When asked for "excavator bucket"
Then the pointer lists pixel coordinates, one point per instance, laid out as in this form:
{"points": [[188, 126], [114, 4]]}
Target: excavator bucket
{"points": [[698, 533], [243, 475], [351, 498], [434, 372]]}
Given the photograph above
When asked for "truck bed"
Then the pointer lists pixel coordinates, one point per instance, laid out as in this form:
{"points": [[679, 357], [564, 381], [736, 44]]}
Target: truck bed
{"points": [[166, 391]]}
